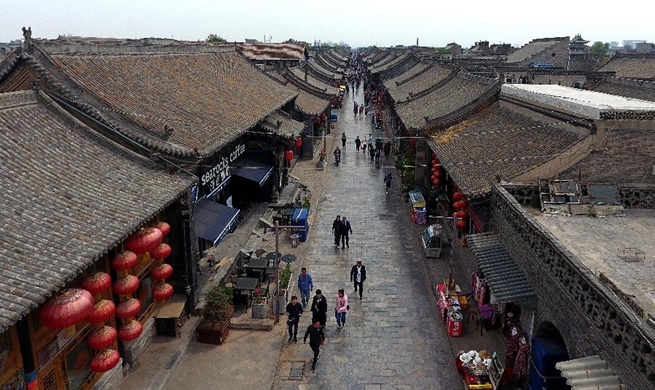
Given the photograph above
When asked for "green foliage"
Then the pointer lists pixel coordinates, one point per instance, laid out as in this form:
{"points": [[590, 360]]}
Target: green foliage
{"points": [[216, 39], [599, 48], [285, 275], [219, 304], [295, 42], [442, 50], [307, 202]]}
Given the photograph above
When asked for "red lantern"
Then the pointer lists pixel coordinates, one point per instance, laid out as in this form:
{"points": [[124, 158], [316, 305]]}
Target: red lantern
{"points": [[97, 282], [459, 214], [162, 292], [126, 285], [433, 177], [131, 331], [323, 115], [164, 227], [288, 155], [144, 240], [318, 121], [161, 252], [102, 311], [298, 142], [66, 309], [124, 260], [436, 182], [435, 162], [459, 205], [105, 360], [461, 224], [102, 338], [458, 196], [437, 174], [129, 308], [162, 271], [434, 169]]}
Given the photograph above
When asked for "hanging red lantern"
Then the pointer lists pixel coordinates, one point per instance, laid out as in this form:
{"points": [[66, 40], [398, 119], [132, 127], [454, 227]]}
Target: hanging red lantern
{"points": [[461, 224], [126, 285], [433, 177], [436, 182], [164, 227], [102, 311], [459, 214], [105, 360], [97, 282], [129, 308], [459, 205], [458, 196], [162, 271], [323, 115], [66, 309], [435, 162], [144, 240], [161, 252], [288, 155], [124, 260], [102, 338], [298, 142], [318, 121], [437, 174], [162, 292], [131, 331], [434, 169]]}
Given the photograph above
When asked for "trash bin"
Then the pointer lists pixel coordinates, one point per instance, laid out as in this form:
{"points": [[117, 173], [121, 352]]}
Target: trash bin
{"points": [[299, 218], [294, 240]]}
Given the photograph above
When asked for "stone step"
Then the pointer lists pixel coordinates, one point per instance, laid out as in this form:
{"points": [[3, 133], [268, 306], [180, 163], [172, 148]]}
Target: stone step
{"points": [[252, 323]]}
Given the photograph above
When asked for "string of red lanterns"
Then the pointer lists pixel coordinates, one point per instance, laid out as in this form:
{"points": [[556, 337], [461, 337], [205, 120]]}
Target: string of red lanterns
{"points": [[161, 290]]}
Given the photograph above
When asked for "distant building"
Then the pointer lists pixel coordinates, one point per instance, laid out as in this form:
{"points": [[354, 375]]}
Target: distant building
{"points": [[544, 52], [274, 55], [453, 48], [578, 45]]}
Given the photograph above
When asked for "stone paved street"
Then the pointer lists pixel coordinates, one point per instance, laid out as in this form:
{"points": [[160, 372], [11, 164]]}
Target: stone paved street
{"points": [[391, 339]]}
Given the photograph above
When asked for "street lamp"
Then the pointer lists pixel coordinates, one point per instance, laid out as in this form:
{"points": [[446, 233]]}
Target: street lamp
{"points": [[451, 259]]}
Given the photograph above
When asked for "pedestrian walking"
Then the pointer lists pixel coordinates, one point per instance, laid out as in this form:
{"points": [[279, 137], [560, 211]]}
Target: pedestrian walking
{"points": [[371, 152], [364, 149], [305, 285], [319, 308], [358, 143], [387, 181], [377, 156], [294, 311], [341, 308], [316, 338], [343, 140], [387, 149], [370, 141], [358, 276], [336, 229], [345, 230]]}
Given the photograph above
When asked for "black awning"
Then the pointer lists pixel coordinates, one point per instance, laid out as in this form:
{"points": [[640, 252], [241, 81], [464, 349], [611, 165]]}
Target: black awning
{"points": [[506, 281], [212, 221], [253, 170]]}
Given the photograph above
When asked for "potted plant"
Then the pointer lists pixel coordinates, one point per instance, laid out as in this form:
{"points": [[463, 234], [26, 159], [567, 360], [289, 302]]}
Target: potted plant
{"points": [[307, 202], [259, 304], [282, 296], [216, 315], [321, 159]]}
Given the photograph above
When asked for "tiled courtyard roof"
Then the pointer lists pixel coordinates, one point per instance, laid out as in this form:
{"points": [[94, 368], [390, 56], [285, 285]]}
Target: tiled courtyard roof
{"points": [[310, 104], [626, 156], [498, 144], [272, 51], [324, 73], [282, 124], [407, 87], [207, 98], [638, 66], [638, 89], [412, 72], [378, 68], [68, 197], [313, 81], [457, 93], [533, 47]]}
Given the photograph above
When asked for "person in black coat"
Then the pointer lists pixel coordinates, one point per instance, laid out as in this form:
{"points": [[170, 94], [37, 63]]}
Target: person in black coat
{"points": [[316, 337], [319, 308], [345, 232], [358, 276], [336, 229], [294, 311]]}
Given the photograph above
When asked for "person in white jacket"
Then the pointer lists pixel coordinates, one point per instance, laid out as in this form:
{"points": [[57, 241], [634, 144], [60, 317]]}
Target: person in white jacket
{"points": [[340, 309]]}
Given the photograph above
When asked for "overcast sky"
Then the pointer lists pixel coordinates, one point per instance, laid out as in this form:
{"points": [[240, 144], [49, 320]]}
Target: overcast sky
{"points": [[358, 23]]}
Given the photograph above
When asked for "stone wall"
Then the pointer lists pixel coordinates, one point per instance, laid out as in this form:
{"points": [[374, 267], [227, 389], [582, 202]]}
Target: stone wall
{"points": [[637, 197], [134, 348], [590, 317]]}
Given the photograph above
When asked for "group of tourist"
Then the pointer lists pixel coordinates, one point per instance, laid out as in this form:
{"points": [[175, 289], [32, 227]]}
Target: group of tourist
{"points": [[319, 308]]}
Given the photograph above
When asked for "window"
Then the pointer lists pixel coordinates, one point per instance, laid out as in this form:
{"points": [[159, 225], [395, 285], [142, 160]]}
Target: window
{"points": [[78, 365], [144, 294]]}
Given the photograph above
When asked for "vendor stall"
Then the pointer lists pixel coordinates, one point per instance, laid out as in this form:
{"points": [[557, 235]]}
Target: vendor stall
{"points": [[450, 310], [419, 212], [432, 240], [481, 370]]}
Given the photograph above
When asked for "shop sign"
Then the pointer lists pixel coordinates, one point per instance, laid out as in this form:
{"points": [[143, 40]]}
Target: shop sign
{"points": [[221, 171]]}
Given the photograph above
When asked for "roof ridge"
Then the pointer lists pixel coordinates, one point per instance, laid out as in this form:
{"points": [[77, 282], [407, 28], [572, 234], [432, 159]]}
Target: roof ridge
{"points": [[17, 99]]}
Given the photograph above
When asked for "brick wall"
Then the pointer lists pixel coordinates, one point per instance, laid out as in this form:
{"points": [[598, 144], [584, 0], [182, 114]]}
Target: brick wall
{"points": [[134, 348], [590, 318]]}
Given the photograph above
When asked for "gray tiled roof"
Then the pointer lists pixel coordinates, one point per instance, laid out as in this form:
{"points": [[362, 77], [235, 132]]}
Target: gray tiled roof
{"points": [[69, 196], [378, 68], [638, 89], [589, 372], [498, 143], [532, 48], [313, 81], [404, 88], [506, 281], [281, 124], [638, 66]]}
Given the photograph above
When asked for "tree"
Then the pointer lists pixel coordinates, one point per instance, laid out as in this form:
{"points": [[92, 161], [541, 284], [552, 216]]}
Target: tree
{"points": [[442, 50], [599, 48], [215, 38]]}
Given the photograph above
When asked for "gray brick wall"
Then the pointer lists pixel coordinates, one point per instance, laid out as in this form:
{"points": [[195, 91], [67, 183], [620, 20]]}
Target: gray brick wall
{"points": [[590, 318]]}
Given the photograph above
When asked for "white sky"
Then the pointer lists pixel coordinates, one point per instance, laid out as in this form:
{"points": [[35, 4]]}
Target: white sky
{"points": [[358, 23]]}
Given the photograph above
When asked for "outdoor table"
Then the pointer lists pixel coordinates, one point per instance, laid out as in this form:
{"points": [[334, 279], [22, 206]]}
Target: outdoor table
{"points": [[286, 215], [245, 284], [271, 256], [257, 266]]}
